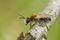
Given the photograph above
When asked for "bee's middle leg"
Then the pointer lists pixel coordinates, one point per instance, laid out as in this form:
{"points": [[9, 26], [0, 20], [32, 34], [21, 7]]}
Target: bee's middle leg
{"points": [[30, 24], [40, 23]]}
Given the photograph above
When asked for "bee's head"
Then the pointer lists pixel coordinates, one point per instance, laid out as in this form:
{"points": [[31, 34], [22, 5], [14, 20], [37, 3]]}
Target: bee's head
{"points": [[27, 20]]}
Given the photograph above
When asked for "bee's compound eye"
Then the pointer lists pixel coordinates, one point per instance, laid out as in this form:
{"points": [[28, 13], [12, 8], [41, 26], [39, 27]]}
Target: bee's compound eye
{"points": [[27, 20]]}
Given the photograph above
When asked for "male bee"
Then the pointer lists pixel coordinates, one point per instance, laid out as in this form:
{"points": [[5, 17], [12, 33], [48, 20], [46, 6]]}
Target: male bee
{"points": [[40, 18]]}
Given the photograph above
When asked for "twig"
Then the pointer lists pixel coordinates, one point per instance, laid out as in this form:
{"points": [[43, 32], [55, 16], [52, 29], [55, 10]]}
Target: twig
{"points": [[40, 33]]}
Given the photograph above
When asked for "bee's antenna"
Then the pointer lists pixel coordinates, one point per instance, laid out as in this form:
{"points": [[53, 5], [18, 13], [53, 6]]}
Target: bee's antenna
{"points": [[21, 16]]}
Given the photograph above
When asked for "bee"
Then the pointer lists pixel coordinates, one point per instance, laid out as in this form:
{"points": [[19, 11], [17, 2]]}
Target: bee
{"points": [[34, 18]]}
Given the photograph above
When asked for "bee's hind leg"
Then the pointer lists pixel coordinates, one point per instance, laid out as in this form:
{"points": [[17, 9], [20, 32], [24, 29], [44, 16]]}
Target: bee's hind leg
{"points": [[43, 24], [46, 26]]}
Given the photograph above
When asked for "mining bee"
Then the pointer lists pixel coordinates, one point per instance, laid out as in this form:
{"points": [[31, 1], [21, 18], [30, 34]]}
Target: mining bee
{"points": [[42, 19]]}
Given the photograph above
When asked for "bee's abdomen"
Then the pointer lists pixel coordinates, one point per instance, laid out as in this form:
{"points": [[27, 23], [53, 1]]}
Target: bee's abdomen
{"points": [[45, 19]]}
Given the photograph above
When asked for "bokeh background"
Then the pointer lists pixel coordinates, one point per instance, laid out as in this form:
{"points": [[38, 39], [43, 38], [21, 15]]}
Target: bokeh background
{"points": [[10, 24]]}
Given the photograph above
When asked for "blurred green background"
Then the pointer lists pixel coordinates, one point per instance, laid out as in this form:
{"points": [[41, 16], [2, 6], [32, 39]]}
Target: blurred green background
{"points": [[11, 25]]}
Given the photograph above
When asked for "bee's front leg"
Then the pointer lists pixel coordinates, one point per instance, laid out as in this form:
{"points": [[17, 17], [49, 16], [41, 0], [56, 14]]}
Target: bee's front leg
{"points": [[30, 24]]}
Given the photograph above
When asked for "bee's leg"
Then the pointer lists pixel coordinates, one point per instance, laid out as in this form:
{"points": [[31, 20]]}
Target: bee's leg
{"points": [[41, 24], [30, 24], [45, 36], [35, 23], [46, 26]]}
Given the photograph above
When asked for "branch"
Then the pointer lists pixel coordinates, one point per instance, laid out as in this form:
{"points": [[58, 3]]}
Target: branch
{"points": [[38, 32]]}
